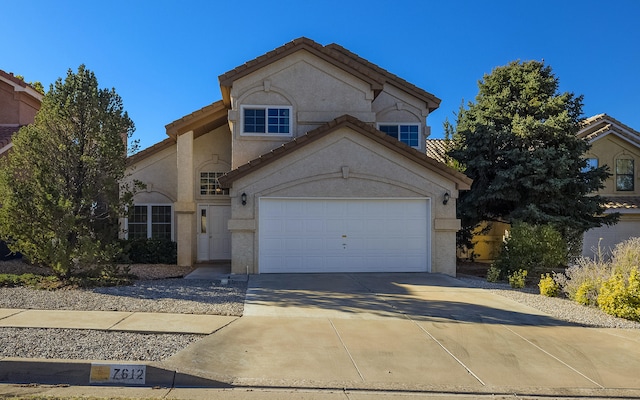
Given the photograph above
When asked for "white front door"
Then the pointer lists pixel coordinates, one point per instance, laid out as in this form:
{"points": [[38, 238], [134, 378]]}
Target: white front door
{"points": [[214, 239]]}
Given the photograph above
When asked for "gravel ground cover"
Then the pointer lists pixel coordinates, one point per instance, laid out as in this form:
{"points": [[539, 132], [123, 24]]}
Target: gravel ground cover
{"points": [[563, 309], [155, 293], [159, 289]]}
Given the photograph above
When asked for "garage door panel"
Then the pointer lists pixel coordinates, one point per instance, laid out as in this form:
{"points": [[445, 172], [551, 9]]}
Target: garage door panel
{"points": [[343, 235]]}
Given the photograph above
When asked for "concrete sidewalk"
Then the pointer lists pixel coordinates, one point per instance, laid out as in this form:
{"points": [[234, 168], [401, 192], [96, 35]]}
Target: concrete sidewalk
{"points": [[114, 321], [385, 334]]}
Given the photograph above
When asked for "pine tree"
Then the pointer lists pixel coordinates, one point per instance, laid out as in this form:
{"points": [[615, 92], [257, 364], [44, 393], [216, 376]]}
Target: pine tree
{"points": [[60, 185], [518, 143]]}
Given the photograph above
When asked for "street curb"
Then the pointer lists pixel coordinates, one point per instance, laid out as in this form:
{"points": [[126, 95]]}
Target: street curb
{"points": [[78, 373]]}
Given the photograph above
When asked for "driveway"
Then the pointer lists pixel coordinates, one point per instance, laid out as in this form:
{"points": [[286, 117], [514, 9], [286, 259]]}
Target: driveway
{"points": [[408, 332], [413, 296]]}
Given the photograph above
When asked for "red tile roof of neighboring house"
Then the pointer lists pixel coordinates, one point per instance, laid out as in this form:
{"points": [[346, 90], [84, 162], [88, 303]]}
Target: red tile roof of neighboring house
{"points": [[463, 182], [6, 133], [336, 55]]}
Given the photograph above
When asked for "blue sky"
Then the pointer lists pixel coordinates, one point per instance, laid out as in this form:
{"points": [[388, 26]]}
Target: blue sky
{"points": [[164, 57]]}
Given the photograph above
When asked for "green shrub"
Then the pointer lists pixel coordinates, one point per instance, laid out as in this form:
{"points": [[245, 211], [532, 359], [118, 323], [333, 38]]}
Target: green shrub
{"points": [[620, 296], [518, 279], [548, 287], [493, 274], [31, 280], [149, 251], [533, 248]]}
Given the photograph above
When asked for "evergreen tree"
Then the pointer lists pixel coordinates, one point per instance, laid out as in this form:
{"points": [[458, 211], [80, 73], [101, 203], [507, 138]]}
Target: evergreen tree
{"points": [[518, 143], [60, 185]]}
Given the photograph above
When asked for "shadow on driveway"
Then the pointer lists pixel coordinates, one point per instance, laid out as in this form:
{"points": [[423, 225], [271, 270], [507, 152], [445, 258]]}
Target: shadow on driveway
{"points": [[417, 296]]}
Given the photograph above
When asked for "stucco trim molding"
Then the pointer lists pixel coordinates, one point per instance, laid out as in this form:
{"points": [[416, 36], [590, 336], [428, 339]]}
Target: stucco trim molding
{"points": [[446, 225], [184, 207], [235, 225]]}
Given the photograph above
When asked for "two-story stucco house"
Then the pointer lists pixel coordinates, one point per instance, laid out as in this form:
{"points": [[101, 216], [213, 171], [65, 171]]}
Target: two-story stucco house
{"points": [[618, 146], [313, 161]]}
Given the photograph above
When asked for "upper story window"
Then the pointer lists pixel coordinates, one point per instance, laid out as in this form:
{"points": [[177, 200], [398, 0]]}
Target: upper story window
{"points": [[624, 174], [408, 134], [266, 120], [592, 163], [209, 184], [150, 222]]}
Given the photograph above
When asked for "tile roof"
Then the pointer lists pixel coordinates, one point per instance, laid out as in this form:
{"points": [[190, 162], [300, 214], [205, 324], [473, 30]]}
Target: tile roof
{"points": [[149, 151], [336, 55], [463, 182], [600, 125], [203, 120], [432, 101], [6, 133], [436, 149], [623, 202], [13, 79]]}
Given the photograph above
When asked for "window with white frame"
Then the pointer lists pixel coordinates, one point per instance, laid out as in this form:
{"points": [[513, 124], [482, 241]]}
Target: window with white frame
{"points": [[209, 184], [625, 174], [408, 134], [267, 120], [150, 222]]}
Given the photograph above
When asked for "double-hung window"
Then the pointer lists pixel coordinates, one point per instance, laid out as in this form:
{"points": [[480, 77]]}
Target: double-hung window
{"points": [[625, 174], [265, 120], [150, 222], [408, 134]]}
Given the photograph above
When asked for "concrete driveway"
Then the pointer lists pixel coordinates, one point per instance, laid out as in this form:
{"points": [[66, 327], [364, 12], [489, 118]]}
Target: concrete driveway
{"points": [[415, 332]]}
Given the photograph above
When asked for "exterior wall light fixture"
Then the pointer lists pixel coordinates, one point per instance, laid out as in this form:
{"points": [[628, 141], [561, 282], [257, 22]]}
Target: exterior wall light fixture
{"points": [[445, 199], [243, 199]]}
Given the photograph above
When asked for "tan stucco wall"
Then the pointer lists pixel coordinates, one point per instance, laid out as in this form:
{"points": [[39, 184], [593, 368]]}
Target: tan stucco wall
{"points": [[172, 177], [318, 92], [607, 150], [342, 164]]}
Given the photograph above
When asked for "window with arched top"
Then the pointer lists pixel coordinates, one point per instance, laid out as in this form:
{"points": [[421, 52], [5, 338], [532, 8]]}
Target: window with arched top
{"points": [[625, 174], [209, 184]]}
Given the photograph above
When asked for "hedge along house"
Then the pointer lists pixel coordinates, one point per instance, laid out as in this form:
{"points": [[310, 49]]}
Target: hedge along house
{"points": [[313, 161]]}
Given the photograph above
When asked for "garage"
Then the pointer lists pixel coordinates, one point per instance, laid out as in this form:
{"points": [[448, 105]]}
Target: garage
{"points": [[344, 235]]}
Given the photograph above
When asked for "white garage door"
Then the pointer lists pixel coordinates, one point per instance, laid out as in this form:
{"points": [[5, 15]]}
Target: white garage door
{"points": [[344, 235]]}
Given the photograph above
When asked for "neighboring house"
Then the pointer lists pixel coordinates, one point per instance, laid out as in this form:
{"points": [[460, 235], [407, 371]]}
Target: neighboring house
{"points": [[19, 103], [618, 146], [313, 161], [613, 144]]}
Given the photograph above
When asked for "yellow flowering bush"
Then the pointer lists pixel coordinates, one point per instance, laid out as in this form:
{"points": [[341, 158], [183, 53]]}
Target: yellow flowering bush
{"points": [[548, 287], [518, 279], [620, 296]]}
